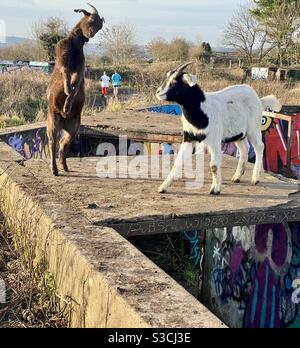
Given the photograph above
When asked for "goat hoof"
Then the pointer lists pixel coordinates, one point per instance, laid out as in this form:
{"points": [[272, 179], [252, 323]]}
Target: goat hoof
{"points": [[67, 110], [64, 167], [54, 172], [213, 191], [161, 190], [236, 180], [66, 113], [255, 182]]}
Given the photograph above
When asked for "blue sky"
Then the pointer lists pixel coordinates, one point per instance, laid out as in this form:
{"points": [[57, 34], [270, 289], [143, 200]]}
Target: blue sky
{"points": [[193, 19]]}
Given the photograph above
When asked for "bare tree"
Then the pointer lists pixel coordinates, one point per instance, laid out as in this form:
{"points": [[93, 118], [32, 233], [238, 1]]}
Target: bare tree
{"points": [[175, 50], [118, 42], [179, 49], [245, 34], [159, 49]]}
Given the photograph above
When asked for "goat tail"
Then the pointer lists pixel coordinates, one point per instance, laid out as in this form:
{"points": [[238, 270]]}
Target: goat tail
{"points": [[271, 103]]}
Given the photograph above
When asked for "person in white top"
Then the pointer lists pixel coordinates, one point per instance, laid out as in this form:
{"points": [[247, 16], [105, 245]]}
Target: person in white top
{"points": [[104, 84]]}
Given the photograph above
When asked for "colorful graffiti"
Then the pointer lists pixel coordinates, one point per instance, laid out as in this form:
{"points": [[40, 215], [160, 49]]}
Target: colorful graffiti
{"points": [[254, 275], [195, 252], [275, 138], [171, 109], [31, 144]]}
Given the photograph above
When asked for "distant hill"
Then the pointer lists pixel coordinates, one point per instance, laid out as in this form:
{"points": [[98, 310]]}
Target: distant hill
{"points": [[223, 49], [9, 41], [92, 49]]}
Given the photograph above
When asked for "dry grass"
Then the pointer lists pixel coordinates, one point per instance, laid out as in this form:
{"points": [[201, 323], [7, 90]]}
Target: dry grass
{"points": [[30, 290], [147, 79], [23, 97], [114, 105], [23, 94]]}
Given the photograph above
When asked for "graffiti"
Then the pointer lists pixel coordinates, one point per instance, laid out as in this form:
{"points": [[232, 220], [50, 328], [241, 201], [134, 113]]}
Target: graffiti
{"points": [[33, 144], [259, 73], [195, 253], [229, 269], [16, 142], [30, 145], [216, 254], [256, 270], [165, 109]]}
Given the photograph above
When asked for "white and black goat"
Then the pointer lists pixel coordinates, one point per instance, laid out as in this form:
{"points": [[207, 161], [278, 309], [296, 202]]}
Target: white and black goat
{"points": [[230, 115]]}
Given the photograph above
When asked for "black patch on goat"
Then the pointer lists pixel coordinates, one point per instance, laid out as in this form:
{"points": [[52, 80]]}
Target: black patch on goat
{"points": [[238, 137], [189, 137], [190, 98]]}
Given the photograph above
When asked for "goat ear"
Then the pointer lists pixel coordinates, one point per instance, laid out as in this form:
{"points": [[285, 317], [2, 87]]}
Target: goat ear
{"points": [[86, 13], [191, 80]]}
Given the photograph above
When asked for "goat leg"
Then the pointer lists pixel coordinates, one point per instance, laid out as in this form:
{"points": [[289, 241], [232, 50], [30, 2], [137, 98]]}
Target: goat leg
{"points": [[184, 154], [67, 80], [51, 132], [68, 104], [74, 85], [71, 127], [63, 145]]}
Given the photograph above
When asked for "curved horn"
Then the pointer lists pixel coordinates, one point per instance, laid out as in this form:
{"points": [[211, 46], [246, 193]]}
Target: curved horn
{"points": [[95, 11], [182, 67]]}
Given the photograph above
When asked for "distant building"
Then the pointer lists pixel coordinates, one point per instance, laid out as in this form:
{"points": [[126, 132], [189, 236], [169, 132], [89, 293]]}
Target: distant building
{"points": [[13, 66], [274, 73]]}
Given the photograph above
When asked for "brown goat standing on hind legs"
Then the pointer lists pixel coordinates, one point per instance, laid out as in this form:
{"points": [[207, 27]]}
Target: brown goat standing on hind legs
{"points": [[65, 93]]}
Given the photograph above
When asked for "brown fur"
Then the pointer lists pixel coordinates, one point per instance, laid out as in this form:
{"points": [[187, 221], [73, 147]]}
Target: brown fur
{"points": [[65, 93]]}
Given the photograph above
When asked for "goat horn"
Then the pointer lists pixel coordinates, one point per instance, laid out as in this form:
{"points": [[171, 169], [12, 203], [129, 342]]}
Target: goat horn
{"points": [[182, 67], [95, 11]]}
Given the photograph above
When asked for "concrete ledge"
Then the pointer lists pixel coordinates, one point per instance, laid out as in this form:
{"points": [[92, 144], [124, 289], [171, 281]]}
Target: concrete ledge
{"points": [[108, 281]]}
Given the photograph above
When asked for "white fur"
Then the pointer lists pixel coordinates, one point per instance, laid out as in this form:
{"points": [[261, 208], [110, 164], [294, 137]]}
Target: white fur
{"points": [[231, 111]]}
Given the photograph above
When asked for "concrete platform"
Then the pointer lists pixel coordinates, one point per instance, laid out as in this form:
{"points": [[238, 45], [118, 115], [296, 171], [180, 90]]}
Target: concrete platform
{"points": [[73, 220], [103, 279], [136, 125], [133, 206]]}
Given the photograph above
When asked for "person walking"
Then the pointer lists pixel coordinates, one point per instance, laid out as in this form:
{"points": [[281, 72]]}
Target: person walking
{"points": [[104, 84], [116, 82]]}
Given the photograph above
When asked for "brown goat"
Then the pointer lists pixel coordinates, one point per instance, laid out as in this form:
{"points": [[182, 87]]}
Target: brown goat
{"points": [[65, 93]]}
